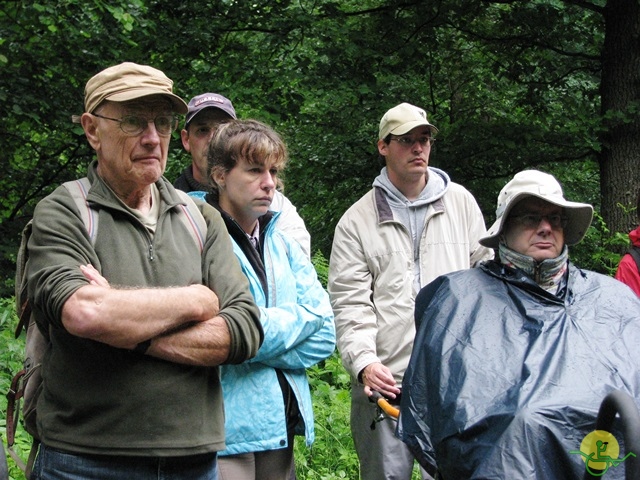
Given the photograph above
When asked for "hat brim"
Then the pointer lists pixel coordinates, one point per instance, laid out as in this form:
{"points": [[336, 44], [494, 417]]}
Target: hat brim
{"points": [[178, 103], [407, 127], [579, 216], [223, 109]]}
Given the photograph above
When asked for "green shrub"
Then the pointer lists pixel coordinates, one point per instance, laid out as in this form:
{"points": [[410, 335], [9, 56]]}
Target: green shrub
{"points": [[321, 264], [598, 251], [332, 456], [11, 354]]}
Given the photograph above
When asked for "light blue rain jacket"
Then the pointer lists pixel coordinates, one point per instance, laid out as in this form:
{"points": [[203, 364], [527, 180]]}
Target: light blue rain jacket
{"points": [[298, 333]]}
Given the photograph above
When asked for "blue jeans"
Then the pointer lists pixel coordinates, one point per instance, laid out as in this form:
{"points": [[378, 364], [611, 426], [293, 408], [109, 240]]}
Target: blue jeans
{"points": [[52, 464]]}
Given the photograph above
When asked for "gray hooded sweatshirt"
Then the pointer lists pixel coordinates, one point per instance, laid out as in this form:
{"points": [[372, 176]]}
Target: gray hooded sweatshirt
{"points": [[412, 213]]}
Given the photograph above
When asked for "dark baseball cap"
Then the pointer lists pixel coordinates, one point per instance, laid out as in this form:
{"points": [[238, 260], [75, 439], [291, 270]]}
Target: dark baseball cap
{"points": [[209, 100]]}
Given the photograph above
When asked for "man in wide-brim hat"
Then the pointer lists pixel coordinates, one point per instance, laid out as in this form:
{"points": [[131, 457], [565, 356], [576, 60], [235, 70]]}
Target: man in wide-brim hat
{"points": [[512, 359]]}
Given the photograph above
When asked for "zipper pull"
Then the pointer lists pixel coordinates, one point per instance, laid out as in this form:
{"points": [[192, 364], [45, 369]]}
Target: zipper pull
{"points": [[151, 258]]}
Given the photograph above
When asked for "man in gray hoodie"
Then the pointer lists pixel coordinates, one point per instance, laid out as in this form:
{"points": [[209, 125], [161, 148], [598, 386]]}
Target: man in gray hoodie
{"points": [[411, 227]]}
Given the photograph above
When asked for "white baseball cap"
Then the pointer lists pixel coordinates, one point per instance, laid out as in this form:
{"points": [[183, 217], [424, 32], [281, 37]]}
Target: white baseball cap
{"points": [[402, 119]]}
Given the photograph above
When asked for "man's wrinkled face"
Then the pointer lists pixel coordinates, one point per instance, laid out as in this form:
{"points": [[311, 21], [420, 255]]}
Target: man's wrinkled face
{"points": [[128, 161]]}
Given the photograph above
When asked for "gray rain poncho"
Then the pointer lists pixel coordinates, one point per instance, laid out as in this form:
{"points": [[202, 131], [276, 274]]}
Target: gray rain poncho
{"points": [[506, 379]]}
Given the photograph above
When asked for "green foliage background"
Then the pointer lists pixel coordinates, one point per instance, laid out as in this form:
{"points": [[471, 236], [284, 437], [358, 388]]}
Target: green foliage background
{"points": [[511, 85], [547, 84]]}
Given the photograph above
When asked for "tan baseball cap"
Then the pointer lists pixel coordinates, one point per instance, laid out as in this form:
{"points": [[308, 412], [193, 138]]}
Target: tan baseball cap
{"points": [[533, 183], [128, 81], [402, 119]]}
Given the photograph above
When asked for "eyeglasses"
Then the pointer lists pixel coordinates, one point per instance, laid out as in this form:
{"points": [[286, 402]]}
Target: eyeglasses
{"points": [[532, 220], [407, 142], [135, 125]]}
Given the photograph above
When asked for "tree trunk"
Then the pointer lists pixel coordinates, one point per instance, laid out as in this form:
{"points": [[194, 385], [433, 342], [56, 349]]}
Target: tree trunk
{"points": [[620, 91]]}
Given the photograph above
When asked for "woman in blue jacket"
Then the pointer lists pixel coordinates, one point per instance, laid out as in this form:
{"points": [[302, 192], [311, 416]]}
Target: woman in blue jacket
{"points": [[267, 400]]}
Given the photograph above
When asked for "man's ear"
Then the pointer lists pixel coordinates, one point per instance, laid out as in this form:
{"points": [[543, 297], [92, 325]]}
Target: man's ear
{"points": [[184, 136], [383, 148], [90, 126]]}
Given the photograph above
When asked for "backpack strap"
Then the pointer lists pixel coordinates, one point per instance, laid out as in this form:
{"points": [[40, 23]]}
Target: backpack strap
{"points": [[193, 219], [14, 395], [22, 305], [79, 190], [635, 253]]}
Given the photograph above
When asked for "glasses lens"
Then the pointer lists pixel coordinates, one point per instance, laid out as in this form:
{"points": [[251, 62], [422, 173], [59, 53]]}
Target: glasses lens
{"points": [[165, 124], [527, 221], [533, 220], [557, 221], [409, 141], [132, 125]]}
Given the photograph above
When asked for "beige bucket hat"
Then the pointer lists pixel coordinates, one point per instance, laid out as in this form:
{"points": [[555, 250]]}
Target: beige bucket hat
{"points": [[533, 183]]}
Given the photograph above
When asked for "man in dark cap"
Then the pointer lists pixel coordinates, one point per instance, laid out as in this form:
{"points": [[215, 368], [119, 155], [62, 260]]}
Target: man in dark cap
{"points": [[206, 112]]}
